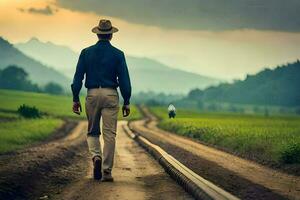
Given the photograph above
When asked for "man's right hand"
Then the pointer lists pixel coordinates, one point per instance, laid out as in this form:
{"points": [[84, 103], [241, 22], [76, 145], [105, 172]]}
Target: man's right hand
{"points": [[77, 108], [125, 110]]}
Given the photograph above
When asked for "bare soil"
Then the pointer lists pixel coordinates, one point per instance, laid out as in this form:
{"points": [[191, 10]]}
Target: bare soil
{"points": [[61, 168], [137, 176], [43, 169]]}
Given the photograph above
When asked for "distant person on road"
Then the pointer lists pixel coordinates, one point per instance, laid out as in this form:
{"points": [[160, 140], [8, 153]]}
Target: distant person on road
{"points": [[104, 68], [171, 110]]}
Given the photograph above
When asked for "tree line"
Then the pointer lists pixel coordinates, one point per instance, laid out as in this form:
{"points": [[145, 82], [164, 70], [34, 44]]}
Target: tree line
{"points": [[279, 86], [16, 78]]}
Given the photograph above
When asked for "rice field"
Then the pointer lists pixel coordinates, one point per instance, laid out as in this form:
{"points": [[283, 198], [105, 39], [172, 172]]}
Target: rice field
{"points": [[273, 139]]}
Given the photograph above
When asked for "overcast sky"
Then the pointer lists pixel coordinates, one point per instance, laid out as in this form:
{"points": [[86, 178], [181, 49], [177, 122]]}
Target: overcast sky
{"points": [[224, 39]]}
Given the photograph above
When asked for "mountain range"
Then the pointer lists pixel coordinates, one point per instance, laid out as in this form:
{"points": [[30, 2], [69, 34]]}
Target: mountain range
{"points": [[38, 72], [59, 57], [146, 74]]}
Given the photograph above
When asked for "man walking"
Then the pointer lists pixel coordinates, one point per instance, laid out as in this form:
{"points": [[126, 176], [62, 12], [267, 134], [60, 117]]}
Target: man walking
{"points": [[104, 68]]}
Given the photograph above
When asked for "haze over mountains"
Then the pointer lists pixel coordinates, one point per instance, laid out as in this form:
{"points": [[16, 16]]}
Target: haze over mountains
{"points": [[146, 74], [59, 57], [38, 72]]}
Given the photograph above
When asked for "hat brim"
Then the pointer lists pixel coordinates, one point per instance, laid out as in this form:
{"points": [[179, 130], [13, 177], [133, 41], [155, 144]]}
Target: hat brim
{"points": [[98, 31]]}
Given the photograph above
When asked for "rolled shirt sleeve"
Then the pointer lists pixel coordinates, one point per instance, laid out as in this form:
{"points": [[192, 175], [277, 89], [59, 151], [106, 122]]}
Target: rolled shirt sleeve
{"points": [[124, 80], [78, 77]]}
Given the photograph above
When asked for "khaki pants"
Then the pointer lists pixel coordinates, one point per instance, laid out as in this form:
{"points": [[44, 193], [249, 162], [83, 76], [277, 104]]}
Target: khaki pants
{"points": [[102, 103]]}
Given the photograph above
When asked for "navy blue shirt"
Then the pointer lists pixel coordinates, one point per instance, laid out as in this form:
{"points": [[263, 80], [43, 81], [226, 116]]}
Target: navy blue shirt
{"points": [[103, 65]]}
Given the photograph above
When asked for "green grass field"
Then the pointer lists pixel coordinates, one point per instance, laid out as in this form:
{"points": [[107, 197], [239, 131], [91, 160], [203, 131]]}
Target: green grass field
{"points": [[53, 105], [8, 115], [17, 132], [274, 140]]}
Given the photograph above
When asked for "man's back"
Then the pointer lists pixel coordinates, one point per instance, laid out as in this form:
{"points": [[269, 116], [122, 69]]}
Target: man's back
{"points": [[171, 107], [102, 61], [104, 66]]}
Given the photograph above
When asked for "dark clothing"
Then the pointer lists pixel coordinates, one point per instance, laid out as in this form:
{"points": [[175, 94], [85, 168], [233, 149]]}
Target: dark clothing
{"points": [[103, 66], [172, 114]]}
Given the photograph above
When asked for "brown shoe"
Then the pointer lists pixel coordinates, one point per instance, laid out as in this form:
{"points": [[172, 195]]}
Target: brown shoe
{"points": [[97, 161], [107, 177]]}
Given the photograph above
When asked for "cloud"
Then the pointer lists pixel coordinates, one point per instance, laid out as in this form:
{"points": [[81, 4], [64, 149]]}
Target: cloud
{"points": [[215, 15], [43, 11]]}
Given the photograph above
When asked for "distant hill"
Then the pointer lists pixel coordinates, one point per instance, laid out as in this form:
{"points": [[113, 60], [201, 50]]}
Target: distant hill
{"points": [[59, 57], [150, 75], [146, 74], [38, 72], [280, 86]]}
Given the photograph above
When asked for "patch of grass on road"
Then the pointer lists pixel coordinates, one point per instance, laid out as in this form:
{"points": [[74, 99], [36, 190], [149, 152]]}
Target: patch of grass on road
{"points": [[17, 134], [267, 139]]}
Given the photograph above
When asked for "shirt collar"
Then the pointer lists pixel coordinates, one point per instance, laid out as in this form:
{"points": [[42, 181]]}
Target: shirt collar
{"points": [[103, 42]]}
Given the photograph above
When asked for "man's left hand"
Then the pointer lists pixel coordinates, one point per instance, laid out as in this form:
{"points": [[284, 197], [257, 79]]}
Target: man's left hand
{"points": [[77, 108]]}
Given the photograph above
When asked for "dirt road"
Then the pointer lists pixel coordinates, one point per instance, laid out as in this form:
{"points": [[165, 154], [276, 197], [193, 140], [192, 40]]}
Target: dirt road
{"points": [[43, 169], [60, 168], [137, 176], [244, 178]]}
